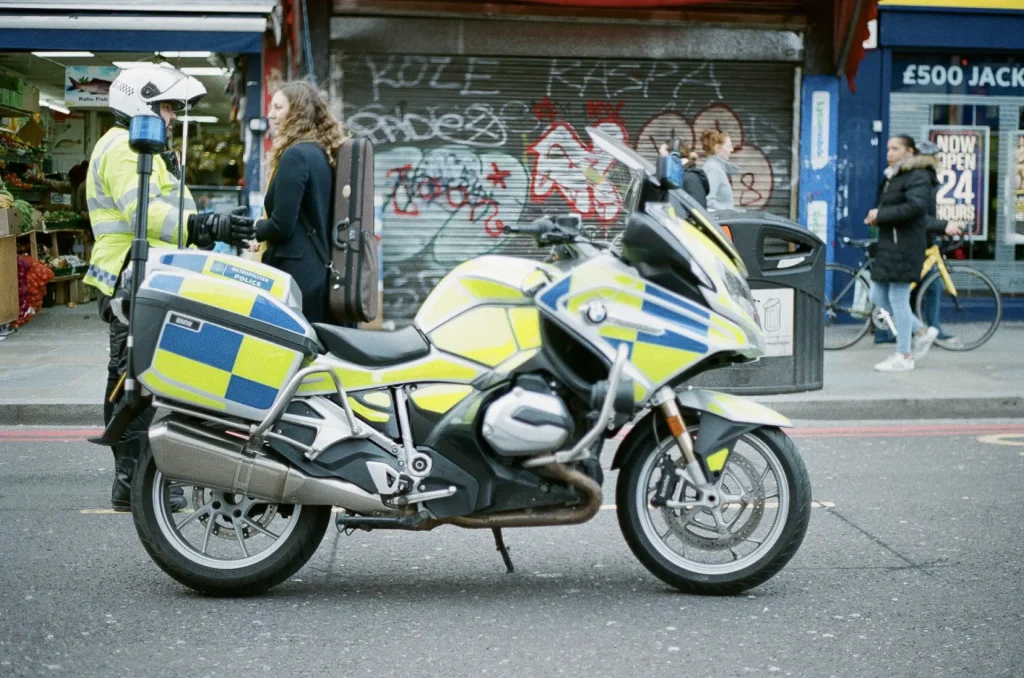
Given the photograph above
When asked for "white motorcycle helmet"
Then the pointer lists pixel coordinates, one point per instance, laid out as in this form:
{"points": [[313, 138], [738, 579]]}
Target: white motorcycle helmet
{"points": [[140, 91]]}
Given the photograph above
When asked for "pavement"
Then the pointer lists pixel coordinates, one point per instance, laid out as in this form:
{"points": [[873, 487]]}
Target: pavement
{"points": [[52, 372], [914, 573]]}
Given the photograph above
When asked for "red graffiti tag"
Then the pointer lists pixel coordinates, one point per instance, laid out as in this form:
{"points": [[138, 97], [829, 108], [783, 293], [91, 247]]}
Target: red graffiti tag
{"points": [[563, 163], [604, 110], [750, 196], [402, 183], [545, 110], [497, 176]]}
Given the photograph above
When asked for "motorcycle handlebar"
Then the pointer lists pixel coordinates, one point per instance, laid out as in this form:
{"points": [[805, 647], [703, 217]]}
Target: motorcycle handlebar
{"points": [[537, 227]]}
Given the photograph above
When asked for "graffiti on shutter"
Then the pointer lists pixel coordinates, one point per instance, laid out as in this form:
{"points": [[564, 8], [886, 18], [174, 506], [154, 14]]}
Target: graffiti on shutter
{"points": [[465, 145]]}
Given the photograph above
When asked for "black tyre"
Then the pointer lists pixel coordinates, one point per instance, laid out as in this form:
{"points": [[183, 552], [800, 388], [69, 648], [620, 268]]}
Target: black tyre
{"points": [[967, 319], [687, 550], [847, 306], [245, 546]]}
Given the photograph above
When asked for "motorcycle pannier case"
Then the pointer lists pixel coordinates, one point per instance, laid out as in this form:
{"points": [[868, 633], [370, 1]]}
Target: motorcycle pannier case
{"points": [[217, 344]]}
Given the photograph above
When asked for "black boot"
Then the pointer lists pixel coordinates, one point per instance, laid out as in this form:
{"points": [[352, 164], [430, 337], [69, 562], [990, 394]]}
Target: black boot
{"points": [[125, 453], [177, 499], [121, 492]]}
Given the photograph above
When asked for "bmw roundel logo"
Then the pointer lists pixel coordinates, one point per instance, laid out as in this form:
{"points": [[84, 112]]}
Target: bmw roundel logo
{"points": [[596, 313]]}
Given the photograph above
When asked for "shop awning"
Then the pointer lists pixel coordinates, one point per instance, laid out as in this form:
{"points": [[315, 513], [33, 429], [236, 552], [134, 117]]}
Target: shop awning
{"points": [[263, 7], [852, 19], [135, 25], [624, 4]]}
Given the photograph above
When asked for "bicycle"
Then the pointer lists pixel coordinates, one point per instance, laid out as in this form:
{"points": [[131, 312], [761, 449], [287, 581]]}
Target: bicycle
{"points": [[969, 301]]}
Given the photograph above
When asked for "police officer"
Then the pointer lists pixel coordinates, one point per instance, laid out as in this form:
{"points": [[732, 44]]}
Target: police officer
{"points": [[112, 199]]}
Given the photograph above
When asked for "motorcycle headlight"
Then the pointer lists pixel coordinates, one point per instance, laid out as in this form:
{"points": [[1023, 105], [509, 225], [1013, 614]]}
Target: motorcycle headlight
{"points": [[740, 293]]}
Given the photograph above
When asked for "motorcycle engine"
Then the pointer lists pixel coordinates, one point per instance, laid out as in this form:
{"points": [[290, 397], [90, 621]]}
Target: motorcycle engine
{"points": [[531, 419]]}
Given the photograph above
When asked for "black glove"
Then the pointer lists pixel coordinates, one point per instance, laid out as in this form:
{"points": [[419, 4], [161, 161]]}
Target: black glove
{"points": [[204, 230], [171, 160]]}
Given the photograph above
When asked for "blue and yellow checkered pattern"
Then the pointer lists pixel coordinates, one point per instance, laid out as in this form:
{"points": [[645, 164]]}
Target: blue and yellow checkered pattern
{"points": [[223, 365], [243, 300], [203, 363]]}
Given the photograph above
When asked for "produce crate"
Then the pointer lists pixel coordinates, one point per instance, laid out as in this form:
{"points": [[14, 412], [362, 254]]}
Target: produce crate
{"points": [[8, 279], [76, 224], [61, 292], [12, 83], [10, 222], [9, 98], [69, 271]]}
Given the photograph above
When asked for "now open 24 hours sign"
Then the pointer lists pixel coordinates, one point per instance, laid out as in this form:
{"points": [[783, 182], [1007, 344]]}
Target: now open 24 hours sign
{"points": [[962, 197]]}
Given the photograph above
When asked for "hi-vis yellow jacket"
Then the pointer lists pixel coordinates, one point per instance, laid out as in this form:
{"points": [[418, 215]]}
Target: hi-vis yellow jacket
{"points": [[112, 188]]}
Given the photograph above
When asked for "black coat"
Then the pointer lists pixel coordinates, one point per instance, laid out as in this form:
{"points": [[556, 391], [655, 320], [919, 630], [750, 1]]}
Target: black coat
{"points": [[299, 200], [905, 205], [695, 182]]}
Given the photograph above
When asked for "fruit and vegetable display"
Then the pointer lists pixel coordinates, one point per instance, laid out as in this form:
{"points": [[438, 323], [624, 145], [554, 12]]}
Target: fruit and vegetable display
{"points": [[30, 216], [11, 144], [14, 181], [6, 199], [58, 218], [32, 277], [66, 264]]}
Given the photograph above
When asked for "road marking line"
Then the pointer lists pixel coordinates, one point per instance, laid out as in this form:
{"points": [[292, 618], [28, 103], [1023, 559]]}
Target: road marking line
{"points": [[1003, 439], [770, 504]]}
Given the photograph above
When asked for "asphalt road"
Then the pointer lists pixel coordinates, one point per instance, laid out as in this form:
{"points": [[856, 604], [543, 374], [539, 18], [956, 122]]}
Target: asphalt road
{"points": [[912, 566]]}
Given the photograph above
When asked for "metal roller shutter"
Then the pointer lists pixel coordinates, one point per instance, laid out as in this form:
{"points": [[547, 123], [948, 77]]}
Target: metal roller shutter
{"points": [[465, 145]]}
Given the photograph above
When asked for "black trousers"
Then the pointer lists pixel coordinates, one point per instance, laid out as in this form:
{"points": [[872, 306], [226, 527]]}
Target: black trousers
{"points": [[135, 436]]}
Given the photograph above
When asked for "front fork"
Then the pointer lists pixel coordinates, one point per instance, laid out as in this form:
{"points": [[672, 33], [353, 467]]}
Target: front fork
{"points": [[665, 401]]}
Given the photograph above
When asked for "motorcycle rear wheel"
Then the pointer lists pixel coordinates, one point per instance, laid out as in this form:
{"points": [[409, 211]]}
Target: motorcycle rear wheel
{"points": [[220, 523], [688, 549]]}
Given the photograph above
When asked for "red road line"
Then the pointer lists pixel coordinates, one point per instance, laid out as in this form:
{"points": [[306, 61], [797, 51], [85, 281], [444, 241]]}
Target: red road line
{"points": [[29, 433]]}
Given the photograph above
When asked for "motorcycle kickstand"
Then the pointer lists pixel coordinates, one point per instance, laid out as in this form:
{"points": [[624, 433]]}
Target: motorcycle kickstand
{"points": [[499, 542]]}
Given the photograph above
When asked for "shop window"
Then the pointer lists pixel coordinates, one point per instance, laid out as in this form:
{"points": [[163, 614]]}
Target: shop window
{"points": [[969, 115], [1017, 179]]}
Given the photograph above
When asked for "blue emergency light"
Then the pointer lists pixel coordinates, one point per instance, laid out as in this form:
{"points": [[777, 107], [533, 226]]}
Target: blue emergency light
{"points": [[147, 134]]}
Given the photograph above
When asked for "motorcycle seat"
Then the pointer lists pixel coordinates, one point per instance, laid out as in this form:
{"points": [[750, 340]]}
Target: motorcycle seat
{"points": [[371, 348]]}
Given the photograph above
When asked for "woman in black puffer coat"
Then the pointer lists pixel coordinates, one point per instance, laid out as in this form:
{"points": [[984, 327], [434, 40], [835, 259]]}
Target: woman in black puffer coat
{"points": [[902, 216]]}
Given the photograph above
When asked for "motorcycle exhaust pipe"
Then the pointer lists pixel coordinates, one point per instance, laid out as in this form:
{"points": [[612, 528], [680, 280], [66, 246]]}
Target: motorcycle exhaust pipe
{"points": [[192, 454], [545, 517]]}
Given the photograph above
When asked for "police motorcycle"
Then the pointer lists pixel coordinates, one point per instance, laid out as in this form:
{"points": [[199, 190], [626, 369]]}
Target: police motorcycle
{"points": [[490, 411]]}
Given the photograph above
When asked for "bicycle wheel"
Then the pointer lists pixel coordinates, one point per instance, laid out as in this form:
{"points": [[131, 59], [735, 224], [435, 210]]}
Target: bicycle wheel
{"points": [[967, 319], [847, 306]]}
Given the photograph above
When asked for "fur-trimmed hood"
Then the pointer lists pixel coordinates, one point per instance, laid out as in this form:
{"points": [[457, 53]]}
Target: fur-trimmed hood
{"points": [[920, 162]]}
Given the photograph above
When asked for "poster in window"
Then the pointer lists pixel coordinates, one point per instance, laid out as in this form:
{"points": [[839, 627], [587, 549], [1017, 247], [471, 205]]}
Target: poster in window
{"points": [[88, 86], [962, 197], [1018, 189]]}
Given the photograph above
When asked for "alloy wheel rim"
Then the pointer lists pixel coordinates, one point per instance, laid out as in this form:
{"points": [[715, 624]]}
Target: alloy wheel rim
{"points": [[741, 522], [216, 520]]}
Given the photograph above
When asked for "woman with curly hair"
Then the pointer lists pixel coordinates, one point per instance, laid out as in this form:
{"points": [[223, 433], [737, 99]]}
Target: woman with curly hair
{"points": [[718, 147], [298, 200]]}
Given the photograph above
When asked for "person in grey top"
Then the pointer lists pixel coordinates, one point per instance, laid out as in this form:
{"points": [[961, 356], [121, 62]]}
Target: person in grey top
{"points": [[718, 147]]}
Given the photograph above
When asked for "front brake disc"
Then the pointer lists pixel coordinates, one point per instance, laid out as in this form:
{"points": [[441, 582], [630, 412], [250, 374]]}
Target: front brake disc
{"points": [[684, 523]]}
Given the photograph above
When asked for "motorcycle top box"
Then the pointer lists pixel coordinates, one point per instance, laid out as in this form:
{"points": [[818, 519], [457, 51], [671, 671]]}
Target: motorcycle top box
{"points": [[219, 266], [204, 338]]}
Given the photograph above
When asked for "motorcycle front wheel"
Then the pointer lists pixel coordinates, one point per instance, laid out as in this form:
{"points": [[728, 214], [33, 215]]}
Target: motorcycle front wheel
{"points": [[222, 544], [722, 543]]}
